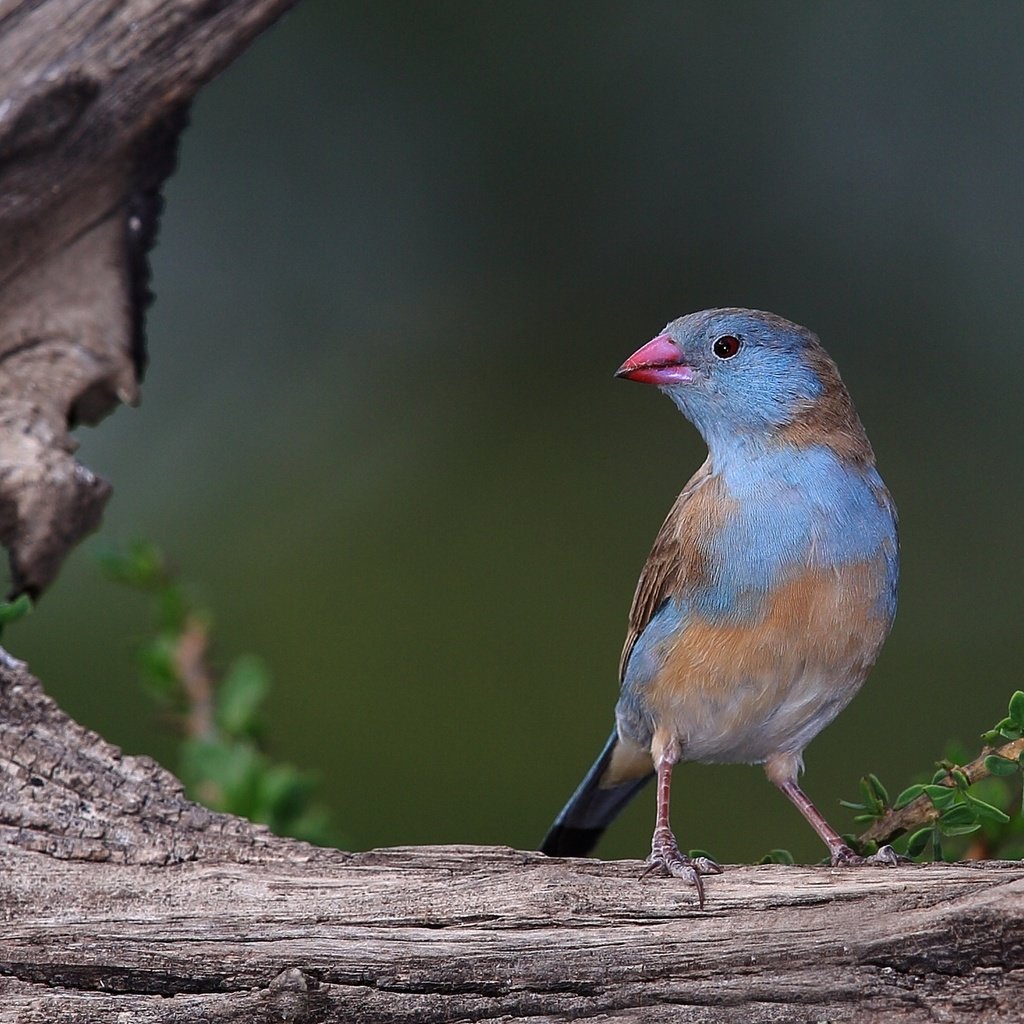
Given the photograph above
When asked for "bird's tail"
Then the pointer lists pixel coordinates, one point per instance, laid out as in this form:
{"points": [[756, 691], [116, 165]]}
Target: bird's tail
{"points": [[615, 777]]}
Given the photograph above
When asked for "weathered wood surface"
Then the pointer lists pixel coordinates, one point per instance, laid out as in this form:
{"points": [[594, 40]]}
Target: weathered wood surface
{"points": [[453, 934], [93, 94], [121, 901]]}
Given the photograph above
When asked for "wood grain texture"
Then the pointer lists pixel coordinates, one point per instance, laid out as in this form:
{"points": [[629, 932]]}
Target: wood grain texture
{"points": [[462, 933], [121, 901], [93, 95]]}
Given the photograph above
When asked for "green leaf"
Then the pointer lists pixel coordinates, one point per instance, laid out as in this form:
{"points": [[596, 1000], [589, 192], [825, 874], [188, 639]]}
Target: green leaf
{"points": [[172, 608], [957, 753], [879, 791], [918, 841], [940, 796], [996, 764], [159, 670], [908, 795], [961, 830], [223, 775], [852, 806], [872, 802], [986, 811], [240, 696], [225, 769], [958, 816], [777, 856], [141, 566], [1009, 729], [11, 611], [992, 737], [1016, 709], [283, 792], [940, 776], [959, 777]]}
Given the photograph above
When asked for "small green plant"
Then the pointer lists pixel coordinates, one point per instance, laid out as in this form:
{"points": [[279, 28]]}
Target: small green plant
{"points": [[963, 810], [777, 856], [11, 611], [222, 762]]}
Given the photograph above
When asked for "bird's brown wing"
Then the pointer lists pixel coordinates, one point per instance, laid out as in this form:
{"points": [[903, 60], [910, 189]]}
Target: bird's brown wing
{"points": [[676, 560]]}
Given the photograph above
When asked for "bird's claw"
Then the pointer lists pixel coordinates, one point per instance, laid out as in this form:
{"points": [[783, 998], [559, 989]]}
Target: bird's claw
{"points": [[707, 866], [667, 857], [886, 856]]}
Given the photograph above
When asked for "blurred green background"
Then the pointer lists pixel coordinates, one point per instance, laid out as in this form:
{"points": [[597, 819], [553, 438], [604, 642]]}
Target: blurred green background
{"points": [[405, 250]]}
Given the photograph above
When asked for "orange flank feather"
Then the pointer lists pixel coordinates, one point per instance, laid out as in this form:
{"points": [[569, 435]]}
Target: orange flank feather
{"points": [[741, 692]]}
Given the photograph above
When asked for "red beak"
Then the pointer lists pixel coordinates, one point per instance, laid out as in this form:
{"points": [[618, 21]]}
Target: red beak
{"points": [[659, 362]]}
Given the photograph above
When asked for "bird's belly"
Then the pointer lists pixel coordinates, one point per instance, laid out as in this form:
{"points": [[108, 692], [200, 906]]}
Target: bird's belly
{"points": [[756, 717], [740, 692]]}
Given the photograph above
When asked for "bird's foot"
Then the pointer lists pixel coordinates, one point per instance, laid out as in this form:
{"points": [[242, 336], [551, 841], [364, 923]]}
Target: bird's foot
{"points": [[667, 857], [843, 856]]}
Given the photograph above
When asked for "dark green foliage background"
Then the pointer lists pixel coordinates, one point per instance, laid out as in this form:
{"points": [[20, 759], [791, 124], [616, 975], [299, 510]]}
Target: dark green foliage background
{"points": [[406, 248]]}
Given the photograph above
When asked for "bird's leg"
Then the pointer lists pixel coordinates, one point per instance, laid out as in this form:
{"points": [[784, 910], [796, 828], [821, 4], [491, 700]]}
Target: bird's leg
{"points": [[782, 770], [665, 853]]}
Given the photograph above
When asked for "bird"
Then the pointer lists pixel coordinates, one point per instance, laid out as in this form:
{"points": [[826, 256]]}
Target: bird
{"points": [[769, 590]]}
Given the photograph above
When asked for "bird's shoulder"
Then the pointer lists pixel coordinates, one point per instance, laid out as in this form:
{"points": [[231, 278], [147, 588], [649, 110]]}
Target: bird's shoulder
{"points": [[678, 558]]}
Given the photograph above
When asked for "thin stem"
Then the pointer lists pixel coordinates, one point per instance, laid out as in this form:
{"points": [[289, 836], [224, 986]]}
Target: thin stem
{"points": [[194, 674], [921, 811]]}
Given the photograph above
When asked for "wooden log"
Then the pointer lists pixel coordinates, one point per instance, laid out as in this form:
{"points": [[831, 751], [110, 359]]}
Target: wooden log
{"points": [[120, 897], [462, 933]]}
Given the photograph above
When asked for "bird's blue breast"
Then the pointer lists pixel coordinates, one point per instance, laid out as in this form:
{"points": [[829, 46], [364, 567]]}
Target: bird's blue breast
{"points": [[793, 509], [790, 511]]}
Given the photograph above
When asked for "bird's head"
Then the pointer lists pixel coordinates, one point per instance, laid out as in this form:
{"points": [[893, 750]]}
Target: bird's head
{"points": [[740, 374]]}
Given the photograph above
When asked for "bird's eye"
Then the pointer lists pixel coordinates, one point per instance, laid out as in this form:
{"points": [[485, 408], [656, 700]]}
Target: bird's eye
{"points": [[726, 347]]}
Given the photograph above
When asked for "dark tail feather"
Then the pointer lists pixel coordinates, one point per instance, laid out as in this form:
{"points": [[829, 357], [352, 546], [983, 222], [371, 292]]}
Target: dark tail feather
{"points": [[591, 809]]}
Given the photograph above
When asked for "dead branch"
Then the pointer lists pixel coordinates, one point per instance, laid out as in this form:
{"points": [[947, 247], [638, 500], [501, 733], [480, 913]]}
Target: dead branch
{"points": [[93, 95]]}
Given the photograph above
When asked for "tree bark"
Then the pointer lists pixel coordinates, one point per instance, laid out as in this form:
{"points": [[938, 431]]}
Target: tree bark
{"points": [[93, 95], [123, 901], [121, 897]]}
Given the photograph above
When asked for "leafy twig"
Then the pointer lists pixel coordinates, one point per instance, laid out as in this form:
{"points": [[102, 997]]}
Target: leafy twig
{"points": [[921, 811], [959, 800], [222, 761]]}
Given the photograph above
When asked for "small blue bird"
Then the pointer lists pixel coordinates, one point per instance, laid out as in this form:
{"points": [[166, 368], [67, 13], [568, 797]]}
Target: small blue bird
{"points": [[770, 588]]}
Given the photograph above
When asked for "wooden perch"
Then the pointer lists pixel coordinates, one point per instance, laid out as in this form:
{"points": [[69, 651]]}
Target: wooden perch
{"points": [[121, 897], [122, 901]]}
